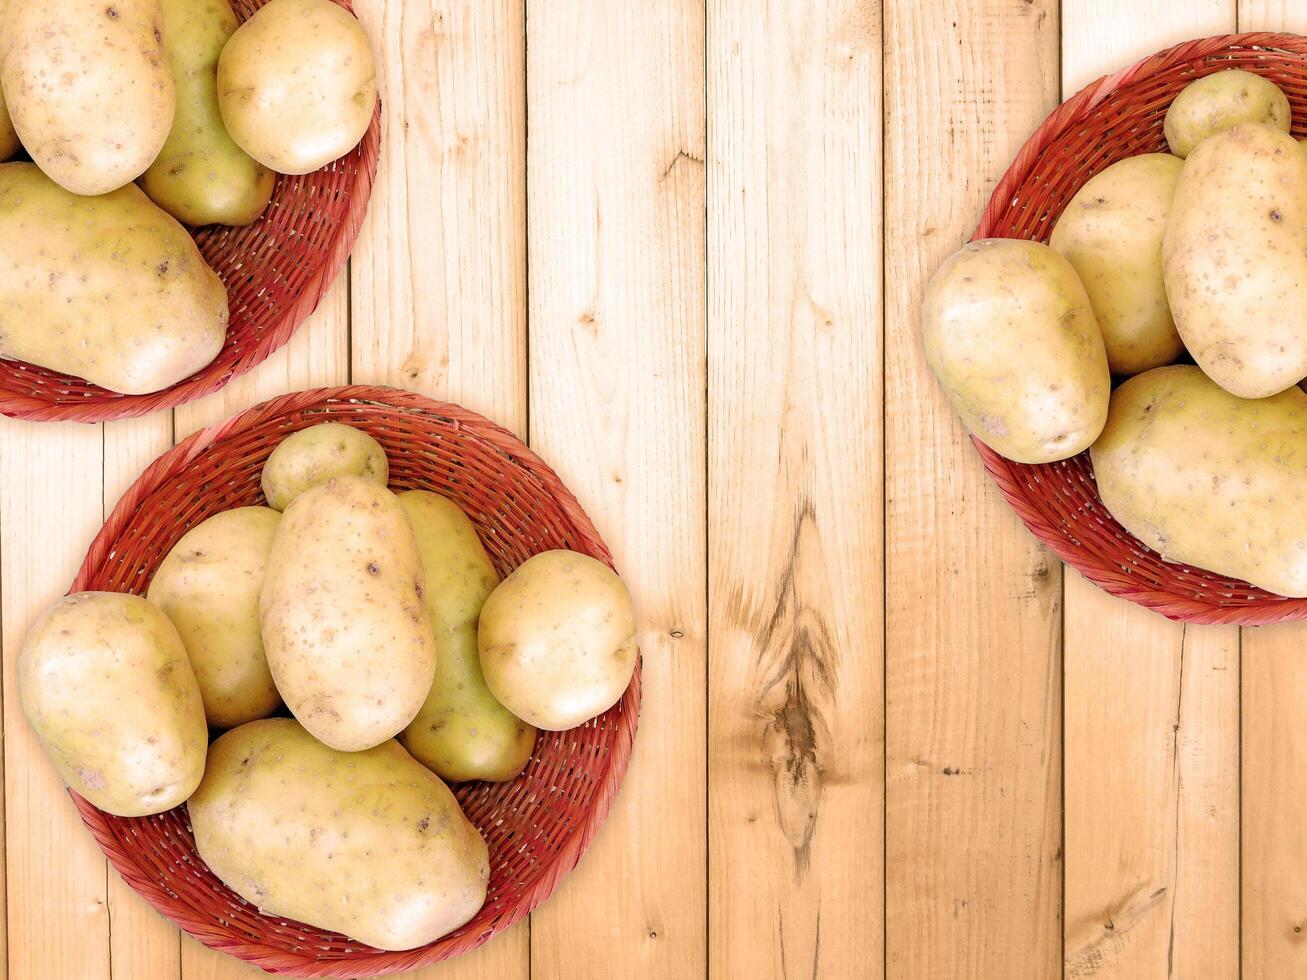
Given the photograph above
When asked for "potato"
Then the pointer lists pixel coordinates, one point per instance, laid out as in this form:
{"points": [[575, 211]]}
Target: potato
{"points": [[557, 640], [297, 84], [368, 843], [1111, 233], [1010, 334], [1214, 103], [316, 454], [208, 585], [1235, 259], [344, 628], [9, 144], [107, 288], [104, 680], [1208, 479], [461, 732], [201, 176], [88, 88]]}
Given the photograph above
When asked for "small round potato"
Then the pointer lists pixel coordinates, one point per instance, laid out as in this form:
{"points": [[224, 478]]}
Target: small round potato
{"points": [[557, 640], [1216, 102], [9, 144], [209, 587], [297, 84], [314, 455]]}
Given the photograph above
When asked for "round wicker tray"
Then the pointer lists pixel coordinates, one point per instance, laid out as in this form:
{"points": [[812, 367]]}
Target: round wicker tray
{"points": [[1115, 117], [276, 271], [537, 826]]}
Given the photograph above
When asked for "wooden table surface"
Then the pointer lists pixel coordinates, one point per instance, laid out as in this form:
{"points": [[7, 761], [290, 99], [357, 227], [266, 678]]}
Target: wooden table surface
{"points": [[681, 249]]}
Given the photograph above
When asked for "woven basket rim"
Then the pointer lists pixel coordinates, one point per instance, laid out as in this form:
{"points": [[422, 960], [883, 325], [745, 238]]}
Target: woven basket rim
{"points": [[565, 858]]}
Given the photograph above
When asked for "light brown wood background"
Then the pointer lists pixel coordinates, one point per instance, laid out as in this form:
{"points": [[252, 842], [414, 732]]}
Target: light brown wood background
{"points": [[680, 247]]}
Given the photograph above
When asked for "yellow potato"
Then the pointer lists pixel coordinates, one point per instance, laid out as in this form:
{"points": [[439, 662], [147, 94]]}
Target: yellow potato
{"points": [[344, 627], [1009, 332], [9, 144], [1235, 259], [1214, 103], [105, 682], [201, 176], [369, 843], [209, 585], [316, 454], [297, 84], [107, 288], [461, 732], [1111, 233], [88, 88], [1209, 479], [557, 640]]}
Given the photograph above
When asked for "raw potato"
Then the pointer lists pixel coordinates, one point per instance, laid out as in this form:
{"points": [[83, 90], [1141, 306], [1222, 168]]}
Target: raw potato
{"points": [[316, 454], [344, 627], [1235, 259], [9, 144], [1216, 102], [88, 88], [209, 585], [297, 84], [1111, 233], [105, 682], [461, 731], [1009, 332], [107, 288], [201, 176], [557, 640], [1208, 479], [369, 844]]}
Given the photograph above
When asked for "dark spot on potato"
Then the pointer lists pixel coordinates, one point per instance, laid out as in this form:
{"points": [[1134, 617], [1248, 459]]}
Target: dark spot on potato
{"points": [[417, 589], [162, 268], [424, 823], [372, 568], [1275, 215], [111, 12]]}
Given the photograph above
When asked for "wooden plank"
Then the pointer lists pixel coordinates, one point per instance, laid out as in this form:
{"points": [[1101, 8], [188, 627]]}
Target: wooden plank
{"points": [[1151, 821], [973, 666], [795, 518], [615, 230]]}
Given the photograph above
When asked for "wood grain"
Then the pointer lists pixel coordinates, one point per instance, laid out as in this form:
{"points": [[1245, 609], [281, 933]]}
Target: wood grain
{"points": [[795, 521]]}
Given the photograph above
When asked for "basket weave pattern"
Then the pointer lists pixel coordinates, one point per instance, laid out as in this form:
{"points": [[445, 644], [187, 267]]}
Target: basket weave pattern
{"points": [[276, 271], [537, 826], [1113, 118]]}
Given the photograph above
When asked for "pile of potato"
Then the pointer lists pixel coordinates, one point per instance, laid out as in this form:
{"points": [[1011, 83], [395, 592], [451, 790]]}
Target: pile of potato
{"points": [[98, 278], [1201, 250], [378, 620]]}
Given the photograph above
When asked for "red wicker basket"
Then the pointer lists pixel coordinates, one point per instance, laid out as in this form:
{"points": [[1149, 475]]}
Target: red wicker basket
{"points": [[276, 271], [1115, 117], [537, 826]]}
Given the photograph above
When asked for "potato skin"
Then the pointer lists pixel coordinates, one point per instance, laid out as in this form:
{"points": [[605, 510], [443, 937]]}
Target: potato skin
{"points": [[88, 88], [369, 843], [9, 144], [1009, 332], [461, 732], [209, 585], [1111, 233], [104, 680], [1209, 479], [1216, 102], [1235, 263], [345, 631], [314, 455], [107, 288], [558, 640], [201, 177], [297, 84]]}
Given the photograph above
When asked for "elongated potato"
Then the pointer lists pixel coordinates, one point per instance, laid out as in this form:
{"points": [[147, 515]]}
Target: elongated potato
{"points": [[1235, 259], [1111, 233], [105, 682], [9, 144], [1209, 479], [1216, 102], [314, 455], [345, 631], [88, 88], [107, 288], [365, 843], [461, 732], [201, 176], [209, 586], [1010, 334]]}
